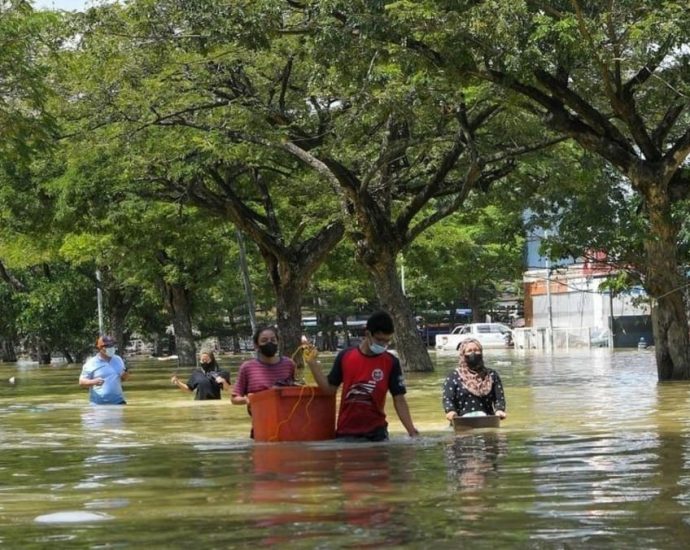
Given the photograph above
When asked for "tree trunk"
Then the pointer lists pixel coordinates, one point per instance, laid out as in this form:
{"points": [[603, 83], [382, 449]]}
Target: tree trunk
{"points": [[119, 305], [665, 284], [410, 347], [246, 281], [325, 323], [157, 345], [177, 300], [289, 314], [289, 270], [475, 305], [345, 331], [7, 351], [43, 353]]}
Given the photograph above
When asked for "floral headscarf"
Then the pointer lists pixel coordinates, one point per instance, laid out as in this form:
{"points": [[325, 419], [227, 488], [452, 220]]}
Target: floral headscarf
{"points": [[477, 380]]}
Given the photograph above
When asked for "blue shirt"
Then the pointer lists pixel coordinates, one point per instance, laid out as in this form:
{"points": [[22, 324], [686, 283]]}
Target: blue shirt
{"points": [[110, 392]]}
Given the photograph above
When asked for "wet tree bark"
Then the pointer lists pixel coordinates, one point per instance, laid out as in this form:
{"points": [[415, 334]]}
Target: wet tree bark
{"points": [[289, 313], [43, 353], [289, 276], [119, 306], [7, 352], [665, 284], [410, 347], [178, 303]]}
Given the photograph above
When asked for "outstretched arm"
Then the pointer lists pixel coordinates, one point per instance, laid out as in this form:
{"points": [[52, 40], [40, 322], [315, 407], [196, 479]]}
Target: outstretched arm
{"points": [[403, 411], [180, 384]]}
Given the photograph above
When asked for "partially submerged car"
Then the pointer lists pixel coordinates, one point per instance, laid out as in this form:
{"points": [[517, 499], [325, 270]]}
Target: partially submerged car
{"points": [[489, 335]]}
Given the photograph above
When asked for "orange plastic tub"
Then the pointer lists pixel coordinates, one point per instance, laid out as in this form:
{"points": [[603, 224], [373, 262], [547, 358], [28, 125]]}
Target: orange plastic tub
{"points": [[293, 413]]}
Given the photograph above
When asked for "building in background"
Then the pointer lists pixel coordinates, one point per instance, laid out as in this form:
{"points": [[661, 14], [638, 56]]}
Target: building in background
{"points": [[565, 305]]}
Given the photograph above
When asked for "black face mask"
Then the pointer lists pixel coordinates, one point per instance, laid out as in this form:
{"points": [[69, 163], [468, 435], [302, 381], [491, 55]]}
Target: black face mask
{"points": [[473, 359], [269, 349]]}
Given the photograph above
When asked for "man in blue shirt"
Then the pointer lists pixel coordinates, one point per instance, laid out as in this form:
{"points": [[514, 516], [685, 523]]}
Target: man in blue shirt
{"points": [[104, 373]]}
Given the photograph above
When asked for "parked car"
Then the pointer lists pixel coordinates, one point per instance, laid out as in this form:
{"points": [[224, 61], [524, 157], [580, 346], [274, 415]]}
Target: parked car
{"points": [[489, 335]]}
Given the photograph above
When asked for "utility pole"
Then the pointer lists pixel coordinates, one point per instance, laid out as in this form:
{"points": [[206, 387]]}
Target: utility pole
{"points": [[99, 300], [548, 296]]}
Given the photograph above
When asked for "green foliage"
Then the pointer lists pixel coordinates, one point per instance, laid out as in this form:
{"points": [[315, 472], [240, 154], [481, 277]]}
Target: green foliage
{"points": [[341, 286], [466, 258], [26, 45], [54, 311]]}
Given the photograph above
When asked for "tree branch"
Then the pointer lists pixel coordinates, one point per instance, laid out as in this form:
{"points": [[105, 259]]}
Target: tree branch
{"points": [[676, 155], [667, 122], [11, 280]]}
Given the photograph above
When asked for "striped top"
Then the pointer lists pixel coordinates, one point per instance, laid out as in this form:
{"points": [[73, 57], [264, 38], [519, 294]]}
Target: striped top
{"points": [[255, 376]]}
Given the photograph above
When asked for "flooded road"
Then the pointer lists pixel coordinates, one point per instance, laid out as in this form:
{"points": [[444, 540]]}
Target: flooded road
{"points": [[594, 453]]}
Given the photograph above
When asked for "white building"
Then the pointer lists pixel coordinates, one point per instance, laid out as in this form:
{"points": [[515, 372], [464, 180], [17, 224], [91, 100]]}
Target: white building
{"points": [[567, 306]]}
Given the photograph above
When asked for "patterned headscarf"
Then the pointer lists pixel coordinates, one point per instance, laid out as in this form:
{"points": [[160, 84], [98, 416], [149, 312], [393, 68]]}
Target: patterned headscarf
{"points": [[477, 380]]}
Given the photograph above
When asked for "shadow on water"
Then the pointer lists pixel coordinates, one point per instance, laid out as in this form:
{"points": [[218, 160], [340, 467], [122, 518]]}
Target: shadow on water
{"points": [[594, 453]]}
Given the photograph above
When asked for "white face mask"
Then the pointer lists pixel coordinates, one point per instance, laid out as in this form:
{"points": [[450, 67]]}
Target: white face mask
{"points": [[109, 351]]}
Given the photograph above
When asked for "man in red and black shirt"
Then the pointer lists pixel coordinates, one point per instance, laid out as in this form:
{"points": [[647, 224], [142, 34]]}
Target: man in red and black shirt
{"points": [[367, 372]]}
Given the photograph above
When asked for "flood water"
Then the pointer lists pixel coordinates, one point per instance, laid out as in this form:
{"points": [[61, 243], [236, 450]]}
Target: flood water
{"points": [[594, 453]]}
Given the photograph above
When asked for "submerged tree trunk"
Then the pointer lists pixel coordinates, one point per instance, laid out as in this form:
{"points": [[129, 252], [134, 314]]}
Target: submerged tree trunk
{"points": [[665, 284], [288, 285], [43, 353], [289, 308], [325, 323], [119, 305], [7, 352], [157, 345], [178, 303], [410, 347]]}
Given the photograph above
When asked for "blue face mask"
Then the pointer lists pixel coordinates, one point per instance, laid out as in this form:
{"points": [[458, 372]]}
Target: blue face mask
{"points": [[377, 349], [110, 352]]}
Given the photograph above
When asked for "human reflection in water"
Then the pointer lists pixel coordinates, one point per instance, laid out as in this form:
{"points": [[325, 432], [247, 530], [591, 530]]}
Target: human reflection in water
{"points": [[328, 489], [473, 461], [103, 421], [103, 427]]}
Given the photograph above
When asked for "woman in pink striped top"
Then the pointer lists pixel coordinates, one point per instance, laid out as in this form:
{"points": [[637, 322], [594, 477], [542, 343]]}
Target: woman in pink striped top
{"points": [[267, 370]]}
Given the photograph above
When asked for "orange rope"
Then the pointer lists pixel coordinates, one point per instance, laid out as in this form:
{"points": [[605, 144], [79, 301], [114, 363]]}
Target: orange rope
{"points": [[294, 409]]}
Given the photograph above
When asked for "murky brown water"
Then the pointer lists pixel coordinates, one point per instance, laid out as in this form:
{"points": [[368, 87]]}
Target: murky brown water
{"points": [[594, 453]]}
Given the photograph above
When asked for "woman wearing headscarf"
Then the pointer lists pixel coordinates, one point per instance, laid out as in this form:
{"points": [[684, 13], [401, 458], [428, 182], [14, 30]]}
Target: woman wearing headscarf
{"points": [[472, 388]]}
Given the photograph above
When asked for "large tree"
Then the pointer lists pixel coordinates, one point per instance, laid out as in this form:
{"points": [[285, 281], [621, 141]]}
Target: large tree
{"points": [[283, 104], [406, 149], [613, 76], [169, 95]]}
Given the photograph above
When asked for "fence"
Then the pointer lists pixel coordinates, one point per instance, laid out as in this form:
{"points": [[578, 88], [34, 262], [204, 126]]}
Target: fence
{"points": [[564, 338]]}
